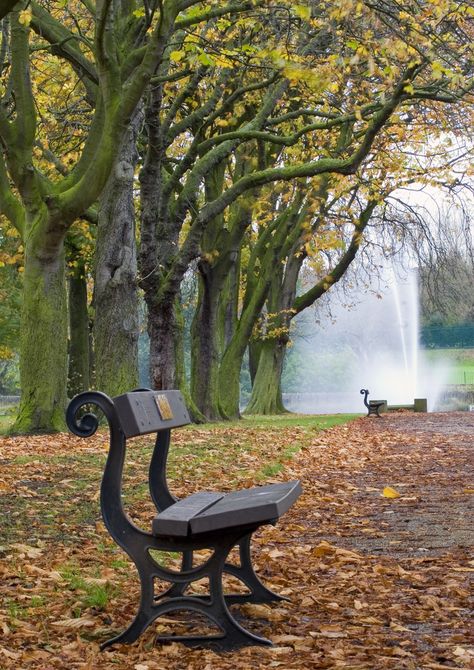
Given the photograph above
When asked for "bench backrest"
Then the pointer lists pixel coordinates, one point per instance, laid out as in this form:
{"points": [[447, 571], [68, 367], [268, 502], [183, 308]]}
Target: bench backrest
{"points": [[142, 412]]}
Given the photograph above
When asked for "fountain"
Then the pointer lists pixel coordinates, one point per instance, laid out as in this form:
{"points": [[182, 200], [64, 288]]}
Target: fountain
{"points": [[371, 344]]}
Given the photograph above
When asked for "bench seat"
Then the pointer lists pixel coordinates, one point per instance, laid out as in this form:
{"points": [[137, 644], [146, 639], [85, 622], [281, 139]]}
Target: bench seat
{"points": [[207, 512]]}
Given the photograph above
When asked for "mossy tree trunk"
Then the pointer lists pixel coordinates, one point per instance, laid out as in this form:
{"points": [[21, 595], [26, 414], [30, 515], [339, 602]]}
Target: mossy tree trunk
{"points": [[43, 210], [44, 331], [116, 322], [266, 390], [205, 344], [79, 351], [207, 329], [273, 338]]}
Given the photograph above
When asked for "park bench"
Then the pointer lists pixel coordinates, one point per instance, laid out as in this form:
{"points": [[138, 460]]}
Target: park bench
{"points": [[373, 406], [207, 520]]}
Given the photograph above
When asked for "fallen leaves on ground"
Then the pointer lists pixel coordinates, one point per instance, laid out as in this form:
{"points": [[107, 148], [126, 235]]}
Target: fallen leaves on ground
{"points": [[379, 576]]}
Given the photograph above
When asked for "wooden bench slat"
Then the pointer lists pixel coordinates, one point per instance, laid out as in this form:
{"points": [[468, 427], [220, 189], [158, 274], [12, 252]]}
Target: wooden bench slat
{"points": [[262, 504], [175, 520], [208, 512]]}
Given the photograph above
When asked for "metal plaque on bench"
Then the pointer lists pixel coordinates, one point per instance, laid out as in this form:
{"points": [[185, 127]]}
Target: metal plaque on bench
{"points": [[143, 412]]}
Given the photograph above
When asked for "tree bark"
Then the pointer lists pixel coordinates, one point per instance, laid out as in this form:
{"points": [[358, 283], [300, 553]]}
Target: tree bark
{"points": [[79, 361], [165, 333], [266, 391], [205, 349], [116, 324], [43, 344]]}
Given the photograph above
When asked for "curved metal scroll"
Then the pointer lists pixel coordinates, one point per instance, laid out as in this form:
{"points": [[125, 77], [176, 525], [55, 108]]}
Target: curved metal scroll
{"points": [[87, 425], [159, 491], [117, 522], [365, 393]]}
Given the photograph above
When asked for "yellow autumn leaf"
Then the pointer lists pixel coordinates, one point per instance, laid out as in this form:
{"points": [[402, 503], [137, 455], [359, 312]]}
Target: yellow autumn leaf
{"points": [[25, 17], [177, 56], [302, 11], [388, 492]]}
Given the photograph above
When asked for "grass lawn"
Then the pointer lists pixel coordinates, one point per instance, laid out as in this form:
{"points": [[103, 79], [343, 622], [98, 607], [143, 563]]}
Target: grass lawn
{"points": [[289, 420], [6, 420], [459, 363]]}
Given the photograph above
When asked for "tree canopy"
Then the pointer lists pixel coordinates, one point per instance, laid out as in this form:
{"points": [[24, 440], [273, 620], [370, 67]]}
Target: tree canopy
{"points": [[258, 119]]}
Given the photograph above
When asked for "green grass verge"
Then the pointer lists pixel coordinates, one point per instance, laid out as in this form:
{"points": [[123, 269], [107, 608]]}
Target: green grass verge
{"points": [[310, 421], [458, 363], [6, 421]]}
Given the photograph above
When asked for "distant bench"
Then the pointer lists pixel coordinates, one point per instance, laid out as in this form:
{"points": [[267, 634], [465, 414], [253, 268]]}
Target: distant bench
{"points": [[205, 520], [373, 406], [377, 406]]}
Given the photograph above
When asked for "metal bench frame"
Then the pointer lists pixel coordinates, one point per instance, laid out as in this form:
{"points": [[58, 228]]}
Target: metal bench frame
{"points": [[373, 407], [137, 543]]}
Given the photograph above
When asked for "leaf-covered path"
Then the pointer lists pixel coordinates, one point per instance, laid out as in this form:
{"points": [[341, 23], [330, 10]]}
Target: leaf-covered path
{"points": [[375, 582]]}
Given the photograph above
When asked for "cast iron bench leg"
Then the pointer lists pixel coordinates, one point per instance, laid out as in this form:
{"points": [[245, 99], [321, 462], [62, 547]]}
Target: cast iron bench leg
{"points": [[214, 606], [259, 593]]}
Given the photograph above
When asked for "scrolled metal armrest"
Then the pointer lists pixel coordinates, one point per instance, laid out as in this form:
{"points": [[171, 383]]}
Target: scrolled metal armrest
{"points": [[87, 425]]}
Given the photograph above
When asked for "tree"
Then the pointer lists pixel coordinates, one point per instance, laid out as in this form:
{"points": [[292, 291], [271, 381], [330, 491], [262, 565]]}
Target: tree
{"points": [[339, 246], [180, 212], [125, 50], [11, 267], [116, 322], [446, 268], [348, 75], [374, 204], [79, 363]]}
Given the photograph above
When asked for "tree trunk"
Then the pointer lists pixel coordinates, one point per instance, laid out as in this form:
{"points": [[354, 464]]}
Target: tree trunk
{"points": [[79, 363], [229, 303], [255, 348], [266, 391], [205, 348], [229, 379], [164, 330], [267, 353], [231, 363], [43, 345], [116, 324]]}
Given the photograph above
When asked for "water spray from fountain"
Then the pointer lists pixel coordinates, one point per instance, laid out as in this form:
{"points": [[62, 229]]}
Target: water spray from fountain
{"points": [[374, 344]]}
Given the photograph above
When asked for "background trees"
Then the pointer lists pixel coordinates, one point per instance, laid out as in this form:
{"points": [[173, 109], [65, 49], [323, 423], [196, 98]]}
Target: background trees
{"points": [[259, 121]]}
